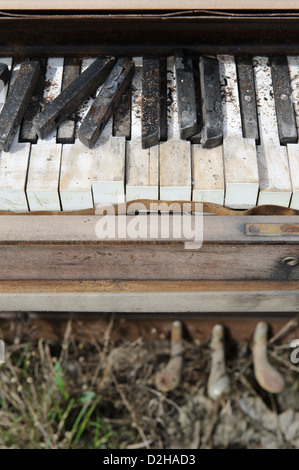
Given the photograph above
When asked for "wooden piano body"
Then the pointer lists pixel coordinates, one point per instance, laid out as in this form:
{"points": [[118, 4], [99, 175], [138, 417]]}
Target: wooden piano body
{"points": [[56, 263]]}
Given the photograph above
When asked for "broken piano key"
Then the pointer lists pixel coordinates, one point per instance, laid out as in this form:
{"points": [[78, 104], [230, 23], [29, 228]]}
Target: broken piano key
{"points": [[196, 138], [122, 116], [66, 131], [71, 97], [163, 98], [211, 102], [151, 110], [17, 101], [186, 96], [106, 102], [247, 98], [282, 95], [27, 131], [4, 75]]}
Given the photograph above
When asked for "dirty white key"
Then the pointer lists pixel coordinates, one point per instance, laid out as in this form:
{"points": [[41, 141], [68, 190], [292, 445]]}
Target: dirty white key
{"points": [[239, 154], [75, 177], [44, 167], [175, 154], [208, 178], [13, 164], [293, 149], [4, 89], [142, 165], [207, 174], [13, 171], [273, 165], [76, 166], [108, 168], [100, 170]]}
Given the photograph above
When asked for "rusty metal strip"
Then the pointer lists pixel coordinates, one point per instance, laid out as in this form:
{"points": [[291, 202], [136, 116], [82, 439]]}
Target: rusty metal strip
{"points": [[272, 230]]}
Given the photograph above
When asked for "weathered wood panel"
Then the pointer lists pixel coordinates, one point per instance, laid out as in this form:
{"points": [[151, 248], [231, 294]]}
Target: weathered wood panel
{"points": [[211, 262], [149, 5], [82, 229], [160, 302]]}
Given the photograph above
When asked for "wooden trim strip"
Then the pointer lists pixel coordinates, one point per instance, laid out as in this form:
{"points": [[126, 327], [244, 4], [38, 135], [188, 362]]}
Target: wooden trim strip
{"points": [[44, 287], [160, 302], [80, 229], [149, 5]]}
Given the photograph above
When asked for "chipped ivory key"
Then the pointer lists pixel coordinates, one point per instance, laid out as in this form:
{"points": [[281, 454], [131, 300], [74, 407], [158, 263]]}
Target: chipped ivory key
{"points": [[239, 154]]}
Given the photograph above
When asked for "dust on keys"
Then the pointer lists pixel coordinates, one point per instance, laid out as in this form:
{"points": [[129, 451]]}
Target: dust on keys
{"points": [[78, 133]]}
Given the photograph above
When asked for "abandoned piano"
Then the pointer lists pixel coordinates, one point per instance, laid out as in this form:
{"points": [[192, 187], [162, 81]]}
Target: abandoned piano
{"points": [[102, 107]]}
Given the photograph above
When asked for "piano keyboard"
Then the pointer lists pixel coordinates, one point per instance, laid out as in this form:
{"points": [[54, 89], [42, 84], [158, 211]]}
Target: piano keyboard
{"points": [[222, 130]]}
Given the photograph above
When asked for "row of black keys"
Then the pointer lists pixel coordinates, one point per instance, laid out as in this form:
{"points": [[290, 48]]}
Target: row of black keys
{"points": [[27, 90], [198, 91]]}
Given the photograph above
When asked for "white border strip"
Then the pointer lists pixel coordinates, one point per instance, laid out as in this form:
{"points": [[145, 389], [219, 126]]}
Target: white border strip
{"points": [[163, 302]]}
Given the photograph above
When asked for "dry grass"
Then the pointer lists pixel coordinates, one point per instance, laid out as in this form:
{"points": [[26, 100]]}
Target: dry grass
{"points": [[101, 394]]}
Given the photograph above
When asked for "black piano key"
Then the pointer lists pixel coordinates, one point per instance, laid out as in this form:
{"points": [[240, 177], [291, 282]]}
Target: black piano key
{"points": [[106, 102], [17, 101], [186, 96], [4, 74], [122, 116], [247, 98], [71, 97], [211, 134], [163, 98], [27, 130], [285, 114], [66, 131], [150, 116], [196, 138]]}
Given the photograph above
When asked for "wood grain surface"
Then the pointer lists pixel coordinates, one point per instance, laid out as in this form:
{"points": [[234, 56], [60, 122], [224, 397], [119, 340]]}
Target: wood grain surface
{"points": [[149, 5]]}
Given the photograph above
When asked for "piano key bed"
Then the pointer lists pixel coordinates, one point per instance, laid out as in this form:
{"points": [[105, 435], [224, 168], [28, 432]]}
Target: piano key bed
{"points": [[75, 134]]}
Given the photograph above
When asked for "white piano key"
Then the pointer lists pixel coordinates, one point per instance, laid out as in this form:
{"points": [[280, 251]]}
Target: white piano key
{"points": [[175, 154], [293, 149], [76, 166], [4, 89], [53, 79], [107, 160], [15, 67], [207, 174], [43, 175], [13, 164], [75, 177], [84, 107], [44, 168], [240, 158], [13, 172], [142, 165], [293, 153], [108, 168], [273, 165], [208, 177], [138, 61]]}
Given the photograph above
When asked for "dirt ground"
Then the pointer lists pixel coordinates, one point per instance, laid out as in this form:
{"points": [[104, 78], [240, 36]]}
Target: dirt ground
{"points": [[102, 394]]}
